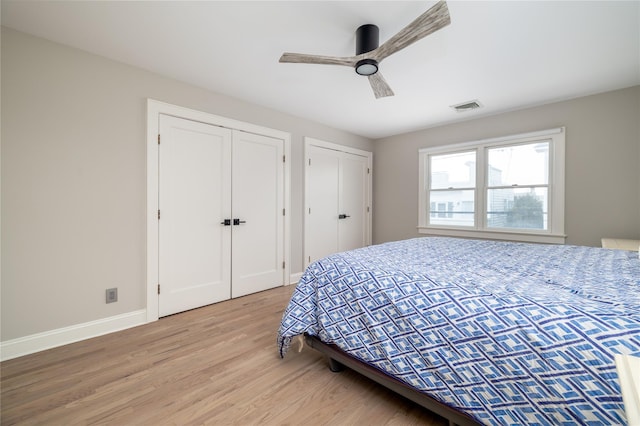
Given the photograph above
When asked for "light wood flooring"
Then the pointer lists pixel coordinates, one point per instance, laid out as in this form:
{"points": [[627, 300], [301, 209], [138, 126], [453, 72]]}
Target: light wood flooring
{"points": [[214, 365]]}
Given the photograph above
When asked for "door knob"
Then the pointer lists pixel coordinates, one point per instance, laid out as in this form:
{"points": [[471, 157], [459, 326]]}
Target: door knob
{"points": [[343, 216], [226, 222], [238, 221]]}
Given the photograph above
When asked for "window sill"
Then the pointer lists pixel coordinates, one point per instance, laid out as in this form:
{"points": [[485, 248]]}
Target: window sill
{"points": [[494, 235]]}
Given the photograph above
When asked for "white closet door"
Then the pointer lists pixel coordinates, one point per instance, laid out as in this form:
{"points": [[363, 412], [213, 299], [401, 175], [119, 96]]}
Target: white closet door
{"points": [[352, 231], [194, 198], [258, 238], [337, 199], [323, 191]]}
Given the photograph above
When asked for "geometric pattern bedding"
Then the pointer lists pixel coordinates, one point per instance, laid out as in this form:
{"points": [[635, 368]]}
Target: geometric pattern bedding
{"points": [[508, 333]]}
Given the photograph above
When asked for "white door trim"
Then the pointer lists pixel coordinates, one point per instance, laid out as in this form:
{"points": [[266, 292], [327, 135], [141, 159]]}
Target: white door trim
{"points": [[308, 142], [154, 109]]}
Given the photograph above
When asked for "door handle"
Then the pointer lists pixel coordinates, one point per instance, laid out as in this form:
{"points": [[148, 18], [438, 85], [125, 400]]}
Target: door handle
{"points": [[238, 221], [343, 216], [226, 222]]}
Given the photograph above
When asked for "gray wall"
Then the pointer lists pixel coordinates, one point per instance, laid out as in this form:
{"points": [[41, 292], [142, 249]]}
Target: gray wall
{"points": [[602, 165], [74, 179]]}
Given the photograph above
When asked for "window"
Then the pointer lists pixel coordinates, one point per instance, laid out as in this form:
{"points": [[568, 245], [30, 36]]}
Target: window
{"points": [[509, 188], [452, 180]]}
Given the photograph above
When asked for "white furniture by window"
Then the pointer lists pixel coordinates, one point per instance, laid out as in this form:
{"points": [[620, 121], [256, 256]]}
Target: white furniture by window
{"points": [[628, 367], [508, 188], [620, 244]]}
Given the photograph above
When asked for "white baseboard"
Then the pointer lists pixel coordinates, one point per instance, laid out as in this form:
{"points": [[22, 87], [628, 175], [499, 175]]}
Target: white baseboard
{"points": [[63, 336], [294, 278]]}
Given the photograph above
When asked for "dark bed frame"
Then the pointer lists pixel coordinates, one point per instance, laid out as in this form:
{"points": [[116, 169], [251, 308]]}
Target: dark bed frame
{"points": [[339, 359]]}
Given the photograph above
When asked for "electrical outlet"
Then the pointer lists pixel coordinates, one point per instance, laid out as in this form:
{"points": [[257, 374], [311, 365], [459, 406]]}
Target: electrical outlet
{"points": [[112, 295]]}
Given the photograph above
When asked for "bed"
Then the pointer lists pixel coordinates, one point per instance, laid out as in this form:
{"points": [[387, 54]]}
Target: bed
{"points": [[479, 331]]}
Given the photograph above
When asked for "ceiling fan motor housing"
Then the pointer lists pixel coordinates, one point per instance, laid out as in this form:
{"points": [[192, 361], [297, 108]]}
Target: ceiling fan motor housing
{"points": [[367, 39], [369, 53]]}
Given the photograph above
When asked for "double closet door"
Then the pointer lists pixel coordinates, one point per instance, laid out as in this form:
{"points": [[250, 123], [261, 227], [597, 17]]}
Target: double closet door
{"points": [[221, 223], [337, 200]]}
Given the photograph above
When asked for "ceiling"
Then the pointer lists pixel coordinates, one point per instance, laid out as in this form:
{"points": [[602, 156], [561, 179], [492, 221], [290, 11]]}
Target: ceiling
{"points": [[506, 54]]}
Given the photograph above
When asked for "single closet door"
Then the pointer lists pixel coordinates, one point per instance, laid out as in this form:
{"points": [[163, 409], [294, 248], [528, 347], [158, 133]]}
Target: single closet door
{"points": [[323, 203], [194, 200], [352, 229], [337, 201], [258, 215]]}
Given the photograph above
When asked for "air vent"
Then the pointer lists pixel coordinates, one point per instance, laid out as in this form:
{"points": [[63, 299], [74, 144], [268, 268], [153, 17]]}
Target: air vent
{"points": [[467, 106]]}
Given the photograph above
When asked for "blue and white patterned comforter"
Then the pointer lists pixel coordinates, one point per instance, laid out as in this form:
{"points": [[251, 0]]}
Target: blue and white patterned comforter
{"points": [[508, 333]]}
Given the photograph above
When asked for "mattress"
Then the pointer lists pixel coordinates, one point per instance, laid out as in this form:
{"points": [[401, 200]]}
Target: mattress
{"points": [[507, 333]]}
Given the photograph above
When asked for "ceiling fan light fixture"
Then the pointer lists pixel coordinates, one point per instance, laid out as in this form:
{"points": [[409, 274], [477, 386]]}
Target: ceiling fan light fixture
{"points": [[369, 53], [367, 67]]}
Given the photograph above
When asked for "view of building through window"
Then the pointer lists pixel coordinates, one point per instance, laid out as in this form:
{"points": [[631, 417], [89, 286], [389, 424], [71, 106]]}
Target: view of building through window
{"points": [[517, 180], [518, 186], [452, 195]]}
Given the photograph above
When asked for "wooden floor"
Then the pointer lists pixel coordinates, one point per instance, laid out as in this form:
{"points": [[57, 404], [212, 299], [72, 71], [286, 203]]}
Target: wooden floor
{"points": [[213, 365]]}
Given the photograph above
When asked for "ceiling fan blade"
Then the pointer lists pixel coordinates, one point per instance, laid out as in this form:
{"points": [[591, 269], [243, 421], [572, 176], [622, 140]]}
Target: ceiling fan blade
{"points": [[379, 85], [429, 22], [301, 58]]}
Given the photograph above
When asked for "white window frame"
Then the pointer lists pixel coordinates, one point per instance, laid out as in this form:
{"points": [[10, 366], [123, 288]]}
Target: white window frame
{"points": [[555, 232]]}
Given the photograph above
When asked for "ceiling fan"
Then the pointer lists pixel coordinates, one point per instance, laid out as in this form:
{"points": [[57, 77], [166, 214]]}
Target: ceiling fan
{"points": [[369, 55]]}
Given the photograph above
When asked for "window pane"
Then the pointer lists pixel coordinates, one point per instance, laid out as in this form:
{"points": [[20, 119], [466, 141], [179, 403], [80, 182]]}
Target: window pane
{"points": [[519, 208], [519, 165], [452, 208], [453, 170]]}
